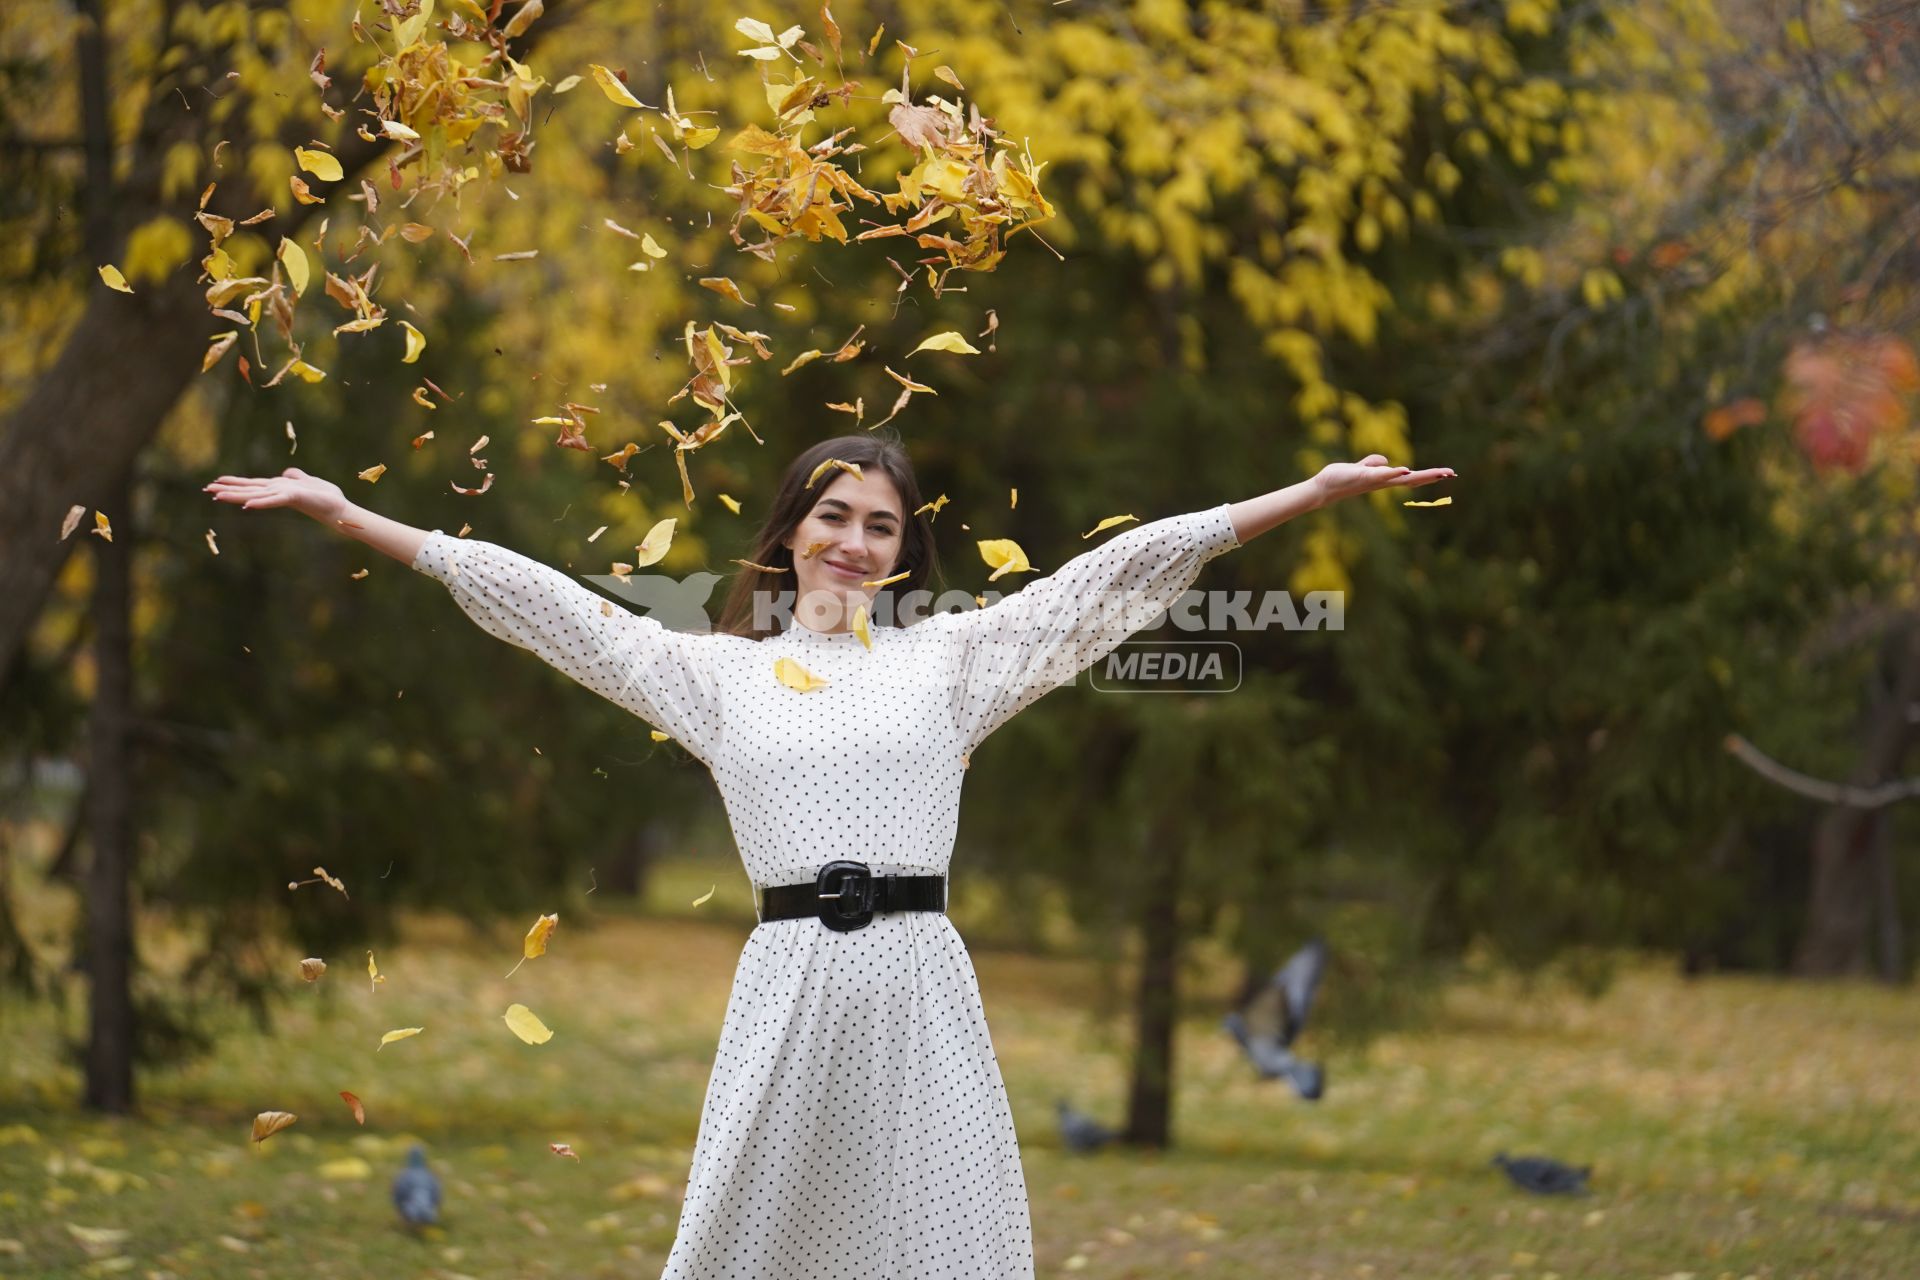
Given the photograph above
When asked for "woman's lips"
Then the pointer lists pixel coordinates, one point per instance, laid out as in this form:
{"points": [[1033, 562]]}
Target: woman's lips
{"points": [[845, 572]]}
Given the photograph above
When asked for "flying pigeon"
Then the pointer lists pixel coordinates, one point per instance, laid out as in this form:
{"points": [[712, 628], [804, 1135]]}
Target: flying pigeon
{"points": [[1543, 1176], [416, 1192], [1269, 1022], [1079, 1131]]}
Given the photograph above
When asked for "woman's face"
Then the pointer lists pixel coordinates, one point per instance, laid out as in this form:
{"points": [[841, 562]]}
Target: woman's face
{"points": [[852, 535]]}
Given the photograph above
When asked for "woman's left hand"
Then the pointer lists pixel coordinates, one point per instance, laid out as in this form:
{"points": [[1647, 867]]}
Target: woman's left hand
{"points": [[1339, 480]]}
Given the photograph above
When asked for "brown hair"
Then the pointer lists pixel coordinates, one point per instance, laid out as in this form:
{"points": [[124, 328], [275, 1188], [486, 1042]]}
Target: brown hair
{"points": [[918, 559]]}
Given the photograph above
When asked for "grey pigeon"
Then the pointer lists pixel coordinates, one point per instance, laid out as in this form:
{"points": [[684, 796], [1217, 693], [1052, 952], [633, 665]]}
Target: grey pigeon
{"points": [[678, 604], [1079, 1131], [1268, 1024], [416, 1192], [1544, 1176]]}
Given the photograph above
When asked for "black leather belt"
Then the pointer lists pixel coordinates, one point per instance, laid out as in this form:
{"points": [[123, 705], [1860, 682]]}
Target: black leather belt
{"points": [[845, 895]]}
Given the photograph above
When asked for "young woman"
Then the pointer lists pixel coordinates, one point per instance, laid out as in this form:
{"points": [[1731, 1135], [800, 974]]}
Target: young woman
{"points": [[855, 1125]]}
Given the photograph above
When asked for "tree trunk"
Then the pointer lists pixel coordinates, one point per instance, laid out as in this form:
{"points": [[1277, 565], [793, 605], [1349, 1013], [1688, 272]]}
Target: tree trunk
{"points": [[110, 1030], [1156, 1002], [632, 866], [1841, 909]]}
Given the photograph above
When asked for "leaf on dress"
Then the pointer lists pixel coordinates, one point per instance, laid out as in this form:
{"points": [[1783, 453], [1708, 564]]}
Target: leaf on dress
{"points": [[796, 677], [860, 627]]}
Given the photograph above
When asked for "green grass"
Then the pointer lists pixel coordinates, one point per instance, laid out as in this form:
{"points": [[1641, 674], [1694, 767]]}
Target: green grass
{"points": [[1737, 1128]]}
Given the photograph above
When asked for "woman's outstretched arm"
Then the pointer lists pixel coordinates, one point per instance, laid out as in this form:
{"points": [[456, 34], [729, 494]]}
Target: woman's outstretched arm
{"points": [[323, 500], [1335, 481]]}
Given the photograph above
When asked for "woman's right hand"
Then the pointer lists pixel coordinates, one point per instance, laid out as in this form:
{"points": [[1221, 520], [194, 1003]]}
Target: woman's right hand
{"points": [[321, 499]]}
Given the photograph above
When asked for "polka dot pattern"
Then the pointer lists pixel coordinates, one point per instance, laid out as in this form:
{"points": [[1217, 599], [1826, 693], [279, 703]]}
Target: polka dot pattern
{"points": [[855, 1125]]}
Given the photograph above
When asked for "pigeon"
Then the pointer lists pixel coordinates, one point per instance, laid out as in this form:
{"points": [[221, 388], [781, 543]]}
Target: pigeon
{"points": [[416, 1192], [1268, 1023], [1543, 1176], [1081, 1132], [676, 604]]}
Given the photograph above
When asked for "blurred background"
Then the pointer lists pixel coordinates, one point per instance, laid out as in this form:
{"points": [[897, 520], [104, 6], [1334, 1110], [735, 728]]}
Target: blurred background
{"points": [[1600, 801]]}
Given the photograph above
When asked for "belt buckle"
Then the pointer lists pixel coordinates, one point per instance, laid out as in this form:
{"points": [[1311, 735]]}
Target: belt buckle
{"points": [[846, 895]]}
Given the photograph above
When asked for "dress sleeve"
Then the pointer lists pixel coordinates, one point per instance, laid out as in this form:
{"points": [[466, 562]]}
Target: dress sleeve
{"points": [[661, 675], [1044, 635]]}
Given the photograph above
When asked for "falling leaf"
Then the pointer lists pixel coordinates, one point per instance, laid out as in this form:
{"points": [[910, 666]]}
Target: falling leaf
{"points": [[651, 247], [373, 473], [416, 343], [658, 736], [401, 1033], [947, 74], [948, 341], [217, 346], [535, 944], [374, 976], [615, 88], [562, 1149], [1108, 523], [359, 574], [851, 468], [655, 544], [415, 232], [320, 164], [724, 287], [1003, 555], [1013, 499], [302, 192], [268, 1123], [114, 280], [796, 677], [294, 259], [1437, 502], [701, 901], [312, 968], [359, 1112], [523, 1023], [729, 503], [763, 568], [874, 43], [101, 526], [933, 506], [901, 576], [72, 521], [306, 372], [567, 85], [860, 627]]}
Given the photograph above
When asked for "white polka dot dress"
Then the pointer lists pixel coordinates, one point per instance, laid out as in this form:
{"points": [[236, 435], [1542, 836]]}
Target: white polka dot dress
{"points": [[855, 1125]]}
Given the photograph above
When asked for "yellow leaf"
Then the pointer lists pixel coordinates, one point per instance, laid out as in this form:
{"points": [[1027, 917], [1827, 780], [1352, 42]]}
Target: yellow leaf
{"points": [[321, 164], [796, 677], [901, 576], [401, 1033], [655, 544], [1437, 502], [312, 967], [614, 87], [851, 468], [933, 506], [306, 372], [651, 247], [658, 736], [701, 901], [1003, 555], [722, 286], [1108, 523], [1013, 499], [294, 259], [373, 473], [567, 85], [102, 526], [948, 341], [860, 627], [535, 944], [268, 1123], [374, 976], [346, 1169], [731, 504], [397, 131], [216, 348], [111, 274], [754, 29], [416, 343], [523, 1023]]}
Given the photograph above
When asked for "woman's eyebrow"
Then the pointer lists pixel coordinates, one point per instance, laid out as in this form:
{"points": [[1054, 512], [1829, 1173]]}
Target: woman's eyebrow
{"points": [[878, 515]]}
